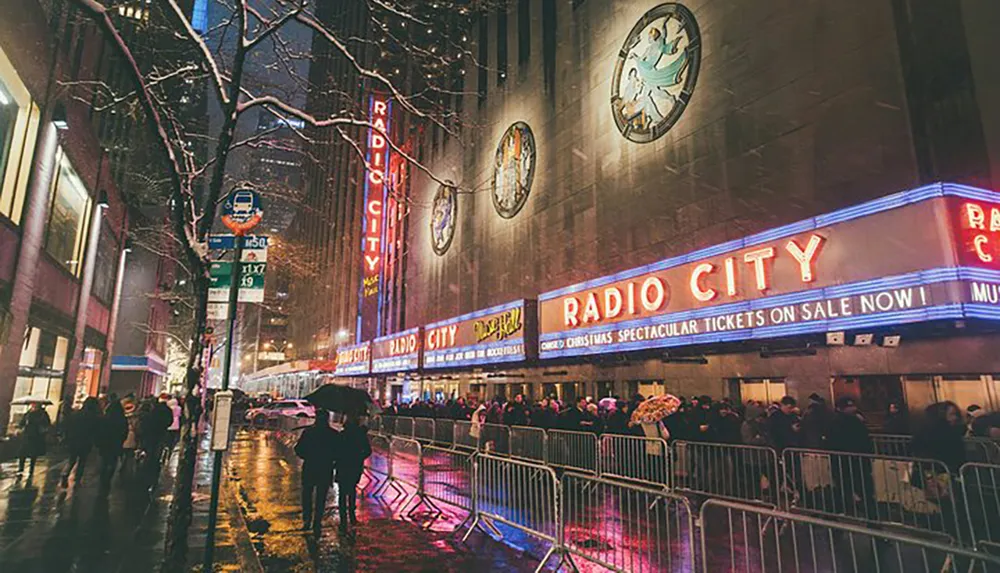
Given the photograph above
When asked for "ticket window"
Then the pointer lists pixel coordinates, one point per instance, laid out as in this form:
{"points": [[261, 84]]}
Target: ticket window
{"points": [[765, 390]]}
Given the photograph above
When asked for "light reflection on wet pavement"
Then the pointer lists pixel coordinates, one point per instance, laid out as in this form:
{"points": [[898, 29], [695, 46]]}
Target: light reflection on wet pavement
{"points": [[265, 473]]}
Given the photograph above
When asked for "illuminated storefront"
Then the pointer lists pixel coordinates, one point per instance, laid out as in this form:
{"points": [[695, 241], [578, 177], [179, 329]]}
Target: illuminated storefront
{"points": [[496, 335]]}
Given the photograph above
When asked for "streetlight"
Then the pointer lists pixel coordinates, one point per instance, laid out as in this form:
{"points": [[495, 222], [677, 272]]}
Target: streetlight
{"points": [[343, 334]]}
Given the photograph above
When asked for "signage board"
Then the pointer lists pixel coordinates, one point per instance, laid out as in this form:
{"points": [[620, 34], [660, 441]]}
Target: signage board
{"points": [[228, 242], [373, 230], [494, 335], [354, 360], [221, 419], [889, 261], [242, 211], [398, 352], [251, 281], [271, 356]]}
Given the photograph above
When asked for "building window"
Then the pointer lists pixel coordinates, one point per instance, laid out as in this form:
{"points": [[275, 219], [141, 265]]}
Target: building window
{"points": [[523, 31], [502, 46], [18, 129], [65, 236], [105, 267]]}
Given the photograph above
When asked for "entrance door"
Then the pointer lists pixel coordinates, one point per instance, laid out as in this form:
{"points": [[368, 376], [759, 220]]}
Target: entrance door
{"points": [[765, 390], [963, 390], [651, 388]]}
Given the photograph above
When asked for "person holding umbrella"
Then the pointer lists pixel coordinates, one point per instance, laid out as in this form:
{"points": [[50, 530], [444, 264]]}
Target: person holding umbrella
{"points": [[353, 448], [317, 447]]}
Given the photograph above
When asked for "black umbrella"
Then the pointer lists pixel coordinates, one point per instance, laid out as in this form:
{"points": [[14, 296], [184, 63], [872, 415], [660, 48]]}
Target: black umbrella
{"points": [[339, 398]]}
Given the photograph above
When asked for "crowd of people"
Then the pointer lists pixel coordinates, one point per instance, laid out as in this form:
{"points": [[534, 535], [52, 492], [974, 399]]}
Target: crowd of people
{"points": [[129, 435], [779, 425]]}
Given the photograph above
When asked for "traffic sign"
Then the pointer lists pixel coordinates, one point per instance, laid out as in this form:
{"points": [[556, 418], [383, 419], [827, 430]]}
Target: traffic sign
{"points": [[228, 242], [251, 281], [242, 211]]}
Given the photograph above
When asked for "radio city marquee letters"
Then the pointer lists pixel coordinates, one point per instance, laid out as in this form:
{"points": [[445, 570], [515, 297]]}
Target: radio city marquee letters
{"points": [[354, 359], [397, 352], [889, 261], [493, 335], [373, 237]]}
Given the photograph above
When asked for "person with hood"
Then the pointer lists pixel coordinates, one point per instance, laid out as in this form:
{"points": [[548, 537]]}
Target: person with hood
{"points": [[34, 427], [897, 421], [816, 423], [352, 449], [318, 447], [854, 486], [113, 430], [81, 431]]}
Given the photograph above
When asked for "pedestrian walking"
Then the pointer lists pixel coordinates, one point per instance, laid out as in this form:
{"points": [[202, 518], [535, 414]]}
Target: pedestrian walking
{"points": [[174, 430], [81, 431], [131, 443], [34, 429], [353, 448], [112, 433], [318, 449]]}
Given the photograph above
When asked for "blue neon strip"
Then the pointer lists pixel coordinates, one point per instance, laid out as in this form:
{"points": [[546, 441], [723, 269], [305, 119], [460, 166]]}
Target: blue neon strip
{"points": [[430, 364], [402, 363], [364, 226], [979, 310], [946, 311], [882, 204], [477, 314], [915, 279]]}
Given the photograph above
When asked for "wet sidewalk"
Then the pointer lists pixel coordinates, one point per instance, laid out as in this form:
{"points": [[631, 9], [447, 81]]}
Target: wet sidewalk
{"points": [[45, 527], [265, 473]]}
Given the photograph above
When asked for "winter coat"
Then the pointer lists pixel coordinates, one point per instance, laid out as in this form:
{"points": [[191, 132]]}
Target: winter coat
{"points": [[352, 449], [847, 433], [941, 441], [34, 427], [816, 426], [112, 432], [515, 414], [318, 447], [781, 430], [175, 411], [81, 431]]}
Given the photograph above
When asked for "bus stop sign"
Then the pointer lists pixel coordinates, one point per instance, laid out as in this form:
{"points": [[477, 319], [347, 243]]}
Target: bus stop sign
{"points": [[242, 211]]}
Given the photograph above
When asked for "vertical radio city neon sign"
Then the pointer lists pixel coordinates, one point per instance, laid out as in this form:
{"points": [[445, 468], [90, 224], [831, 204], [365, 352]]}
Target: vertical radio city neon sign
{"points": [[373, 237]]}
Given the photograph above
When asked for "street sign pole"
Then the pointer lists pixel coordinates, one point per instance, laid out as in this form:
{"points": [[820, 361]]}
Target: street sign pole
{"points": [[227, 364], [241, 212]]}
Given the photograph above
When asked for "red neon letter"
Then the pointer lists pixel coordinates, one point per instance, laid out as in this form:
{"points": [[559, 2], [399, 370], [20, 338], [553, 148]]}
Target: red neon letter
{"points": [[757, 258], [656, 285], [590, 311], [707, 294], [974, 213], [978, 243], [805, 257], [571, 306], [612, 302]]}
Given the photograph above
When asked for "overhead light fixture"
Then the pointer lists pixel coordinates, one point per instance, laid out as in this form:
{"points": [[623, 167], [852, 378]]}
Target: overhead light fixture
{"points": [[835, 338], [766, 352], [59, 117], [891, 341], [668, 359], [863, 339]]}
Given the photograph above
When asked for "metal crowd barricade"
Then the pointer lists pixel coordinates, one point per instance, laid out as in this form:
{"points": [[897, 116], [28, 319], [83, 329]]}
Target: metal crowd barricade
{"points": [[495, 439], [520, 495], [635, 458], [378, 466], [745, 538], [982, 450], [729, 471], [897, 445], [527, 443], [404, 427], [911, 493], [407, 472], [448, 477], [981, 492], [572, 450], [626, 528], [388, 425], [444, 433], [423, 429], [465, 436]]}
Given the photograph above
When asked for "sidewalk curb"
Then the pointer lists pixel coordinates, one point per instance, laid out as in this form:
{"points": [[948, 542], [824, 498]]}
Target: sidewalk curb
{"points": [[247, 554]]}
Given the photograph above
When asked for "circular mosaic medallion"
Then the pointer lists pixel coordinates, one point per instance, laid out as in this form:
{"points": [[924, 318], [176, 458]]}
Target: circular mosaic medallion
{"points": [[513, 169], [444, 212]]}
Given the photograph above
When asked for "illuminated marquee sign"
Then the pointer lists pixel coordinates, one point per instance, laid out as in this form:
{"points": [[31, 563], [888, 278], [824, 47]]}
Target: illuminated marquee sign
{"points": [[885, 262], [500, 334], [354, 360], [373, 236], [397, 352]]}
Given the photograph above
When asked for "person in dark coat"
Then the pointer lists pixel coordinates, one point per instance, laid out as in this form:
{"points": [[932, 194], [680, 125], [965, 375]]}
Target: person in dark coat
{"points": [[81, 431], [618, 419], [854, 486], [573, 418], [942, 436], [516, 413], [352, 449], [816, 423], [783, 425], [34, 427], [318, 447], [113, 430], [897, 421]]}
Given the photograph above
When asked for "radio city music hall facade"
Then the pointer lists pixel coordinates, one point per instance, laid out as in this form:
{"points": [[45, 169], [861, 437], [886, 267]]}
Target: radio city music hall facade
{"points": [[708, 198]]}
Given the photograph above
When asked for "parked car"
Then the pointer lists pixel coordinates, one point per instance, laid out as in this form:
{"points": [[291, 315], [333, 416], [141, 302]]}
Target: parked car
{"points": [[281, 408]]}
